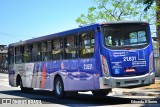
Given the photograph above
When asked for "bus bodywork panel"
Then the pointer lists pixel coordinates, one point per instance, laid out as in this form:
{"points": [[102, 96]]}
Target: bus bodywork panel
{"points": [[129, 68], [42, 74], [128, 65]]}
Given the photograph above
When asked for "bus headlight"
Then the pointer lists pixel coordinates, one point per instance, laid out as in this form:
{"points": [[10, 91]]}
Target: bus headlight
{"points": [[151, 66], [104, 65]]}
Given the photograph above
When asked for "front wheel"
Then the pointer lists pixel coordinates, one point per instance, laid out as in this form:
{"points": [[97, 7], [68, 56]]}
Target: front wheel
{"points": [[101, 93], [59, 88]]}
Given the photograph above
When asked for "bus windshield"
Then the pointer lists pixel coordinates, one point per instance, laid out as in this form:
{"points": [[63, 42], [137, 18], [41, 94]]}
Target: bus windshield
{"points": [[121, 35]]}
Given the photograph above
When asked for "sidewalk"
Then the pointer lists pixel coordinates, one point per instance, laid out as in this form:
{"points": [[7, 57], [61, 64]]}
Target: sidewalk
{"points": [[152, 90], [155, 86]]}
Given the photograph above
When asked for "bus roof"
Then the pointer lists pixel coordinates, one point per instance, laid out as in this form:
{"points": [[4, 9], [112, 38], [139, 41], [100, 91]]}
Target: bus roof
{"points": [[51, 36], [80, 29], [124, 22]]}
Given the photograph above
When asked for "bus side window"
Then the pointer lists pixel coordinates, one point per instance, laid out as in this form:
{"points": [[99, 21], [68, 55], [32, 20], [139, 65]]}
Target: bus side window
{"points": [[36, 56], [11, 55], [71, 49], [27, 53], [87, 41], [19, 54], [43, 51], [57, 52], [46, 48], [49, 50]]}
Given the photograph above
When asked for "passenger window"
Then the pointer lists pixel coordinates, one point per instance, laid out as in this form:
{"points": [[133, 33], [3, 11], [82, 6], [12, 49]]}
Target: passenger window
{"points": [[27, 53], [49, 50], [11, 55], [19, 54], [46, 48], [87, 41], [49, 45], [57, 52], [36, 53], [71, 49]]}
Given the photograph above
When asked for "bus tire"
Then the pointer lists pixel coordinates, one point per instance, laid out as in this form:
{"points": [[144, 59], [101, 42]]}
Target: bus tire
{"points": [[59, 88], [23, 89], [101, 93]]}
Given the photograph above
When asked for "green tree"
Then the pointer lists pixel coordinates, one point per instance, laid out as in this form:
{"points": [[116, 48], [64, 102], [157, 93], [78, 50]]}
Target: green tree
{"points": [[149, 4], [158, 20], [116, 10]]}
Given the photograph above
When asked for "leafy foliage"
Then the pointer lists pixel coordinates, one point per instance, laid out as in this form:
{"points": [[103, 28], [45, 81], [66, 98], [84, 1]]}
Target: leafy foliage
{"points": [[148, 3], [116, 10]]}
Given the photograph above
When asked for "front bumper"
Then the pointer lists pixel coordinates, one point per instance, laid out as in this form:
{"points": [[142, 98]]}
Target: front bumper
{"points": [[114, 82]]}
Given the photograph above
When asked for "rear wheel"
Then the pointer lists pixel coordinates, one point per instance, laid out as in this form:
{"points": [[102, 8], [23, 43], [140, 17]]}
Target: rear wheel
{"points": [[101, 93], [24, 89], [59, 88]]}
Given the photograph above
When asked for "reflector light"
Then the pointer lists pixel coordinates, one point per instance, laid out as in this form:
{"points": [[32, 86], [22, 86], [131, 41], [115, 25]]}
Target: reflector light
{"points": [[104, 65], [151, 62]]}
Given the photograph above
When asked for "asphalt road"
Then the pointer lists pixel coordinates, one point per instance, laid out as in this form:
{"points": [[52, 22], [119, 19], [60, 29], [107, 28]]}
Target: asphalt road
{"points": [[47, 98]]}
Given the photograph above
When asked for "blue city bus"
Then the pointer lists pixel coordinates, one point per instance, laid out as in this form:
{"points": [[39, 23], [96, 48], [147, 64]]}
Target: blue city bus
{"points": [[94, 58]]}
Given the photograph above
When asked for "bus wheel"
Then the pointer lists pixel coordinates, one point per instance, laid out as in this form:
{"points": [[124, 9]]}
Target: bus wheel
{"points": [[23, 89], [101, 93], [59, 88]]}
